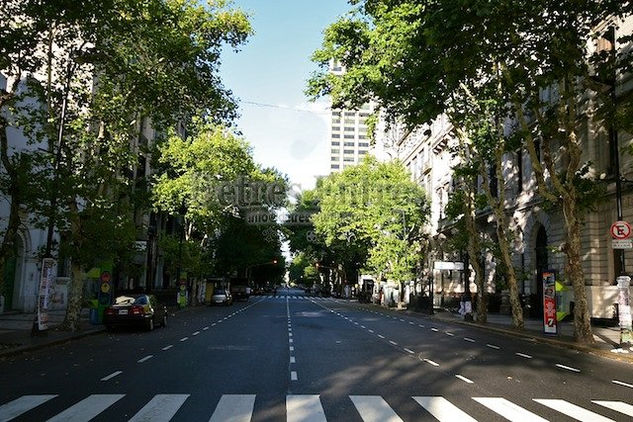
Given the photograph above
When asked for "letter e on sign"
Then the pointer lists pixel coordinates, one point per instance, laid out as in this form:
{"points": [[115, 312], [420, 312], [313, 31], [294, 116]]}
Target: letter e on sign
{"points": [[620, 230]]}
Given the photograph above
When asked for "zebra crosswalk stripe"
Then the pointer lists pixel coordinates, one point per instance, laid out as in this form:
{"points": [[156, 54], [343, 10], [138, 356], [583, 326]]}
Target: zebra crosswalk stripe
{"points": [[234, 408], [572, 410], [374, 409], [443, 410], [618, 406], [88, 408], [15, 408], [161, 408], [304, 408], [508, 410]]}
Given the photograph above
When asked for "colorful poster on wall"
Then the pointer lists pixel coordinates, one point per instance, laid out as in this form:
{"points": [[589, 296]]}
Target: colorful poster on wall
{"points": [[624, 310], [549, 303], [46, 280]]}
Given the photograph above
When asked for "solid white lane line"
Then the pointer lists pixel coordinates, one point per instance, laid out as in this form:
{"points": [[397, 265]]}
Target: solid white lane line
{"points": [[430, 362], [623, 384], [374, 409], [168, 347], [161, 408], [573, 411], [304, 408], [184, 339], [15, 408], [409, 350], [492, 346], [196, 333], [443, 410], [463, 378], [508, 410], [146, 358], [393, 342], [109, 377], [569, 368], [234, 408], [88, 408], [381, 336], [523, 355], [292, 359], [469, 339], [618, 406], [293, 376]]}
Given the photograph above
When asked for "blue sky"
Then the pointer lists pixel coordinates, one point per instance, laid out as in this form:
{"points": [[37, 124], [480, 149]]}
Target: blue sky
{"points": [[271, 70]]}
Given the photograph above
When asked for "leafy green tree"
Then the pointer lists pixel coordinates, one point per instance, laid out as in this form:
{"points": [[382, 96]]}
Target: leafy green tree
{"points": [[538, 60], [377, 211], [100, 69]]}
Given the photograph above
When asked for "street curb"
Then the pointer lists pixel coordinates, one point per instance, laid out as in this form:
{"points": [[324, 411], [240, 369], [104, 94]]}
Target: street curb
{"points": [[52, 342], [625, 358]]}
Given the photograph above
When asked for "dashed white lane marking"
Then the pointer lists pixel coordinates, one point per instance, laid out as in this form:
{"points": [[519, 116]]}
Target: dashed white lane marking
{"points": [[293, 376], [409, 350], [371, 331], [523, 355], [146, 358], [401, 320], [290, 333], [411, 322], [492, 346], [393, 342], [290, 340], [292, 348], [205, 328], [623, 384], [184, 339], [168, 347], [381, 336], [434, 329], [112, 375], [569, 368], [362, 326], [292, 359], [430, 362], [463, 378], [420, 325], [449, 334], [469, 339], [213, 325], [196, 333]]}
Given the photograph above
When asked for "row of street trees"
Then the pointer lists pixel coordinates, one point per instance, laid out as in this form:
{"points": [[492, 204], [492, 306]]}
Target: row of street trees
{"points": [[367, 217], [508, 74], [84, 82]]}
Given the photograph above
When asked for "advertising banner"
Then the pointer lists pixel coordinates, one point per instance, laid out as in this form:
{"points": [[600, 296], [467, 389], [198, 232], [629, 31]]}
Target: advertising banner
{"points": [[549, 303], [624, 309], [46, 280]]}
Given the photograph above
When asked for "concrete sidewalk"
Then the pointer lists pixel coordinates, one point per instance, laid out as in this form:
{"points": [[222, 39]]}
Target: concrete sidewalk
{"points": [[15, 332], [607, 338]]}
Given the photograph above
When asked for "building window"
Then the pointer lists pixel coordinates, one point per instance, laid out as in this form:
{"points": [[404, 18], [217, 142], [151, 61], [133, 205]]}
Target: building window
{"points": [[362, 152], [363, 144], [348, 136], [336, 135], [348, 159], [337, 120], [349, 129], [335, 143], [336, 128], [335, 151], [334, 166], [348, 151], [350, 114], [348, 144], [362, 137]]}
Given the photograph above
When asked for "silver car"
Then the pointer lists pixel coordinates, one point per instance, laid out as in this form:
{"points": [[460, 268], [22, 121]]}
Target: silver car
{"points": [[221, 296]]}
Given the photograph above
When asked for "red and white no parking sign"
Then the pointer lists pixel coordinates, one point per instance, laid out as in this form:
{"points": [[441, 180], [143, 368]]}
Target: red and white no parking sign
{"points": [[620, 230]]}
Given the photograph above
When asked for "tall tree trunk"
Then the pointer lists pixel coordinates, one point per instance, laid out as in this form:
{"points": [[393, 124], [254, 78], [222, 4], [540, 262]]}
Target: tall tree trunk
{"points": [[574, 272], [474, 251]]}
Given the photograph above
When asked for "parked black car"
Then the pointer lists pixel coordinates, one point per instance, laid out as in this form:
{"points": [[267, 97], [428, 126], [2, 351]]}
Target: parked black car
{"points": [[135, 310]]}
